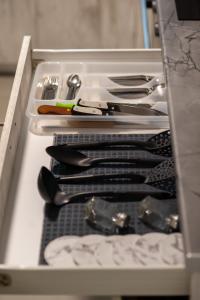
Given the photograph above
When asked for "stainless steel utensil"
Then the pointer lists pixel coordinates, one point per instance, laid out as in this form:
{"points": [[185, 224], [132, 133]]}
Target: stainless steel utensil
{"points": [[135, 93], [50, 86], [108, 108], [74, 83], [131, 80]]}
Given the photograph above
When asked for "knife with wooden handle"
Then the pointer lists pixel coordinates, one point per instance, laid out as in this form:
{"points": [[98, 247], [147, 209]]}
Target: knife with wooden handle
{"points": [[75, 110], [53, 110]]}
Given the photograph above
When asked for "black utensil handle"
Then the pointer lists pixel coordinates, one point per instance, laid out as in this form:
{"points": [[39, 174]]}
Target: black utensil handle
{"points": [[140, 162], [136, 178], [141, 144]]}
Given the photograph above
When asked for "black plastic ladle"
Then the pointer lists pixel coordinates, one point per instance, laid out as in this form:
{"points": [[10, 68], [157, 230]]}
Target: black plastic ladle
{"points": [[164, 181], [159, 144]]}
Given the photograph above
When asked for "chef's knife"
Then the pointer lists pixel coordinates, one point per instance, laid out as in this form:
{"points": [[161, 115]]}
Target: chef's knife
{"points": [[122, 108], [130, 93]]}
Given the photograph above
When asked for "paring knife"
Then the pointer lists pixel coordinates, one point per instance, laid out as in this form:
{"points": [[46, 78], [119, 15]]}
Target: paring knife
{"points": [[75, 110]]}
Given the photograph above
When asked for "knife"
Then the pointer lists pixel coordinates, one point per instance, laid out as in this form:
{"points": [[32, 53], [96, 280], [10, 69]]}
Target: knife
{"points": [[131, 80], [135, 92], [74, 110], [122, 108]]}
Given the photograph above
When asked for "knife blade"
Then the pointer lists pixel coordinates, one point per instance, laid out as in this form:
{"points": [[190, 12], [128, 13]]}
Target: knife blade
{"points": [[130, 93], [106, 105], [137, 92]]}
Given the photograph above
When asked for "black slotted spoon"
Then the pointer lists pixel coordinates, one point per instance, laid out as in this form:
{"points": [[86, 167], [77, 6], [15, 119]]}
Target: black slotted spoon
{"points": [[161, 177], [77, 159], [159, 144]]}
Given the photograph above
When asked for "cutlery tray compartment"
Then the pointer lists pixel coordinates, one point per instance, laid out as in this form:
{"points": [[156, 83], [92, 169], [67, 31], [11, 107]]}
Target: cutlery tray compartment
{"points": [[68, 220], [96, 85]]}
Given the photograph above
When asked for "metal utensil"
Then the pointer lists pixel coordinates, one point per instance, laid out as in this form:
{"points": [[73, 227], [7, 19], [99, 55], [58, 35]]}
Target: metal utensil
{"points": [[108, 108], [74, 84], [159, 144], [164, 181], [131, 80], [135, 93], [50, 87]]}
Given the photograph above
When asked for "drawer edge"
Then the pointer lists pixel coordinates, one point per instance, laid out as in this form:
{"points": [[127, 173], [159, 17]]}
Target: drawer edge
{"points": [[13, 120]]}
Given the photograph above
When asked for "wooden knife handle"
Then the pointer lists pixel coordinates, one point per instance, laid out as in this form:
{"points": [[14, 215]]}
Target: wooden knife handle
{"points": [[53, 110]]}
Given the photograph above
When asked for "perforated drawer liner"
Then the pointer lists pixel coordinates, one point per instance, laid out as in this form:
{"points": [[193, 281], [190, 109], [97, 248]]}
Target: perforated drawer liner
{"points": [[69, 221]]}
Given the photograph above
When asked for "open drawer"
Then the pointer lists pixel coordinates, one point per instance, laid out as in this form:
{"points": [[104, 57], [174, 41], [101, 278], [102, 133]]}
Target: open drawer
{"points": [[22, 152]]}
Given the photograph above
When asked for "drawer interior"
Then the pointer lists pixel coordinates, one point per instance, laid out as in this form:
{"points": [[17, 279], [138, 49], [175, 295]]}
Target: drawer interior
{"points": [[22, 231], [26, 209]]}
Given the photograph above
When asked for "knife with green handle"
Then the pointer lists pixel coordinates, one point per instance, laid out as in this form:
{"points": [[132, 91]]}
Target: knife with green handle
{"points": [[84, 107]]}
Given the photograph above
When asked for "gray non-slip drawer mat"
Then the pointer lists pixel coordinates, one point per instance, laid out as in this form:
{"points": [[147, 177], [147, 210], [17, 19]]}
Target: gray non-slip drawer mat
{"points": [[69, 219]]}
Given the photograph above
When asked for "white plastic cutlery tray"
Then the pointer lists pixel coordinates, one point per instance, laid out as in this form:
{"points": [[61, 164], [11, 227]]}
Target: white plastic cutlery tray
{"points": [[22, 153], [95, 86]]}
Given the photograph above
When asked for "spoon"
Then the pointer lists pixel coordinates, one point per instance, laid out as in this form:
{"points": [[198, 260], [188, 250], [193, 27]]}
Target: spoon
{"points": [[78, 159], [74, 84], [161, 176], [159, 144]]}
